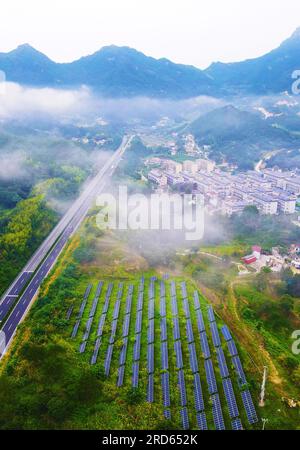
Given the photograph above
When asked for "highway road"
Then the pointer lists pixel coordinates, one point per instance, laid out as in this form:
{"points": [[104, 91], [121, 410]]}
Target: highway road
{"points": [[45, 257]]}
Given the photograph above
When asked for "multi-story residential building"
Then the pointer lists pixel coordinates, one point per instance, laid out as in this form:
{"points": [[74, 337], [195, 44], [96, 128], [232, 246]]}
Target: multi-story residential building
{"points": [[190, 167], [206, 165], [265, 203], [172, 166], [157, 177]]}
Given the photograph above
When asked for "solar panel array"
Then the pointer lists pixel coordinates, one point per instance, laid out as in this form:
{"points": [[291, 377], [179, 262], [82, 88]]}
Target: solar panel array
{"points": [[189, 345]]}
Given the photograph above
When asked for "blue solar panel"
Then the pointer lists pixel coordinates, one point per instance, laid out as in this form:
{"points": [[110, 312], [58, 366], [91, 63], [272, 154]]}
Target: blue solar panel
{"points": [[196, 300], [215, 334], [96, 351], [176, 329], [69, 312], [178, 353], [174, 306], [120, 291], [108, 359], [138, 322], [150, 358], [184, 419], [163, 329], [237, 424], [116, 310], [167, 414], [75, 329], [101, 324], [201, 421], [204, 345], [123, 352], [113, 331], [249, 407], [222, 363], [239, 370], [189, 331], [193, 358], [162, 305], [226, 333], [88, 327], [150, 388], [84, 301], [186, 308], [232, 348], [200, 321], [151, 331], [173, 289], [217, 412], [121, 371], [182, 389], [211, 314], [210, 376], [140, 301], [96, 299], [107, 298], [162, 289], [135, 374], [151, 309], [82, 347], [198, 396], [165, 384], [126, 324], [164, 356], [128, 304], [230, 398], [137, 347]]}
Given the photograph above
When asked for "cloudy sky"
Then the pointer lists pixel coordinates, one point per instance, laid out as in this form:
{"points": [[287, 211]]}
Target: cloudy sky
{"points": [[186, 31]]}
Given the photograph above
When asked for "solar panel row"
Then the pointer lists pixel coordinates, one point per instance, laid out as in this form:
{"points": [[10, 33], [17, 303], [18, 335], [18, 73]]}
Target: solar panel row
{"points": [[186, 308], [176, 329], [84, 301], [204, 345], [116, 310], [178, 353], [198, 396], [150, 388], [184, 419], [226, 333], [126, 324], [215, 334], [162, 306], [249, 407], [164, 356], [120, 380], [140, 301], [230, 398], [163, 329], [96, 351], [151, 309], [174, 306], [222, 363], [150, 331], [150, 358], [69, 312], [135, 374], [211, 314], [232, 348], [182, 389], [200, 321], [162, 289], [236, 424], [239, 370], [107, 361], [137, 348], [210, 376], [138, 322], [196, 300], [123, 352], [189, 331], [201, 421], [165, 384], [101, 324], [96, 299], [217, 412], [75, 329], [183, 290], [193, 358], [114, 325]]}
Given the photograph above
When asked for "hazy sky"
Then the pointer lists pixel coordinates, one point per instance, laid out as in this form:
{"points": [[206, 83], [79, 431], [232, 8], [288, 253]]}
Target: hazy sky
{"points": [[186, 31]]}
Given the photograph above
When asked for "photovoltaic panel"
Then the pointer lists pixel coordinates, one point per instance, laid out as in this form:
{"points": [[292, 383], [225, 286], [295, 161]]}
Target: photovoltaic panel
{"points": [[137, 347], [178, 353], [210, 376], [174, 306], [232, 348], [186, 308], [167, 414], [176, 329], [87, 330], [69, 312], [140, 301], [113, 331], [239, 370], [193, 358], [123, 352], [82, 347], [151, 331], [200, 321], [96, 351], [96, 299], [196, 300], [120, 291], [101, 324], [222, 363], [164, 355], [121, 371], [116, 310], [183, 290], [107, 298], [249, 407], [138, 322], [126, 324], [215, 334], [201, 421], [204, 345], [237, 424], [173, 289], [226, 333], [211, 314], [162, 289], [162, 306], [135, 374], [163, 329], [151, 309], [150, 358], [75, 329], [182, 389], [84, 301], [165, 384], [230, 398], [198, 396], [108, 359], [150, 388], [189, 331], [184, 419], [217, 412]]}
